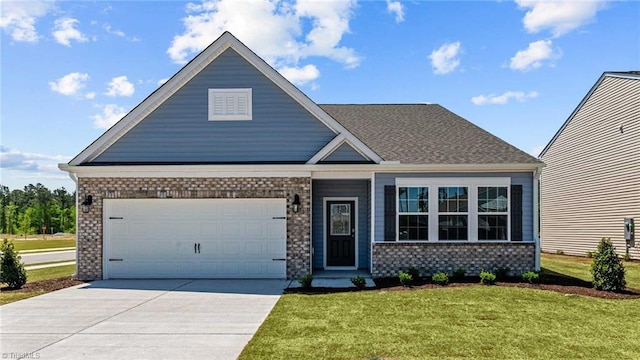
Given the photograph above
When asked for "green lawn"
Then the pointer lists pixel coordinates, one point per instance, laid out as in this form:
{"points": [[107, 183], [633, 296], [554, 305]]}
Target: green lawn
{"points": [[37, 275], [579, 267], [454, 322], [20, 245]]}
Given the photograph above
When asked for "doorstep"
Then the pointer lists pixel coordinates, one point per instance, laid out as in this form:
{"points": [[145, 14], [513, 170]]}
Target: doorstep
{"points": [[335, 279]]}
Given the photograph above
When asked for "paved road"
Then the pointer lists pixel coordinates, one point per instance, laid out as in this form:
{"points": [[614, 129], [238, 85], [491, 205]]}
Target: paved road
{"points": [[39, 258], [139, 319]]}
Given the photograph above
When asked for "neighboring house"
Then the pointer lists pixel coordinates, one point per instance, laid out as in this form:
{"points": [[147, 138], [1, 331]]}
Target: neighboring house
{"points": [[592, 179], [229, 171]]}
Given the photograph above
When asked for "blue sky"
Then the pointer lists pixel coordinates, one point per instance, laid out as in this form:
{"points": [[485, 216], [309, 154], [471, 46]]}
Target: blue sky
{"points": [[518, 69]]}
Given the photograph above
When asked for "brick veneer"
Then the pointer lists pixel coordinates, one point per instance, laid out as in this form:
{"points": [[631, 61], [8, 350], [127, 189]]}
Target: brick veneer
{"points": [[389, 258], [89, 229]]}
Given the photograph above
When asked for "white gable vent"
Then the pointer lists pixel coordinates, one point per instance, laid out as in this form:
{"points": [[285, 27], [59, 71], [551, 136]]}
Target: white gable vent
{"points": [[229, 104]]}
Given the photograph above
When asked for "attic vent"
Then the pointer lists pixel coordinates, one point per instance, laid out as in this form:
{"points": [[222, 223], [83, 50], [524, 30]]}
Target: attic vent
{"points": [[230, 104]]}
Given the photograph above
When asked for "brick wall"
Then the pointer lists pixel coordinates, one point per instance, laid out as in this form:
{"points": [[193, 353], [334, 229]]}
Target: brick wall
{"points": [[389, 258], [89, 229]]}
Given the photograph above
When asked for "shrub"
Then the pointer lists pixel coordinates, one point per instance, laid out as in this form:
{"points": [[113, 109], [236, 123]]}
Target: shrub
{"points": [[607, 269], [531, 276], [590, 254], [487, 278], [306, 281], [359, 282], [459, 273], [440, 278], [559, 252], [627, 257], [405, 278], [414, 272], [11, 269], [502, 272]]}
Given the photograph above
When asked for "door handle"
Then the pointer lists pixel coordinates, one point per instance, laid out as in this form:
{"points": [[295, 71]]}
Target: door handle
{"points": [[195, 248], [198, 248]]}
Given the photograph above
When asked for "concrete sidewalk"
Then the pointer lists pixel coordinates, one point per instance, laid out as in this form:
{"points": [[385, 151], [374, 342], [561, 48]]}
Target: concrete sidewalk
{"points": [[139, 319], [43, 266]]}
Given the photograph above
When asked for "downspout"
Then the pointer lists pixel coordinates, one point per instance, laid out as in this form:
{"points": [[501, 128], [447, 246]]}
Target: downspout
{"points": [[74, 177], [536, 216]]}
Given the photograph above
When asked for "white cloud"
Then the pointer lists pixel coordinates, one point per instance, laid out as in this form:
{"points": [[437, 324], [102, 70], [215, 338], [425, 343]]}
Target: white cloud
{"points": [[19, 18], [301, 75], [493, 99], [162, 81], [281, 32], [65, 31], [111, 114], [120, 86], [396, 8], [90, 95], [70, 84], [560, 17], [445, 59], [537, 150], [534, 55], [109, 29], [13, 159]]}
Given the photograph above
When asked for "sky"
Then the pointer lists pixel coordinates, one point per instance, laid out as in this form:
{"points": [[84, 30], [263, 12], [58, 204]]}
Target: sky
{"points": [[69, 70]]}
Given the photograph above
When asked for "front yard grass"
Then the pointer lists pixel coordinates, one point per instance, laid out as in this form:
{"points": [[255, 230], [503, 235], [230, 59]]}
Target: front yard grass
{"points": [[57, 272], [454, 322]]}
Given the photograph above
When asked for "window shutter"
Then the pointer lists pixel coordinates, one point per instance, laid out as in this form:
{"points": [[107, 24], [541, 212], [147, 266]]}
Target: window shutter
{"points": [[389, 213], [516, 212]]}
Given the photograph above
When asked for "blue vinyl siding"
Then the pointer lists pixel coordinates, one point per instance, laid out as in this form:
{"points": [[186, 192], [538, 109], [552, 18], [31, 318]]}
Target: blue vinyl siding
{"points": [[525, 179], [341, 188], [179, 131], [345, 153]]}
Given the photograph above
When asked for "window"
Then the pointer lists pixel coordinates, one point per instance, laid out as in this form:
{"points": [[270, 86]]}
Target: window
{"points": [[493, 213], [413, 213], [453, 209], [230, 104]]}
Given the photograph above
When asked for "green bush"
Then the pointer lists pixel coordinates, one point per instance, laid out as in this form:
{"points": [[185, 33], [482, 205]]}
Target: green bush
{"points": [[590, 254], [306, 281], [559, 252], [487, 277], [531, 276], [459, 273], [359, 282], [405, 278], [627, 257], [502, 272], [440, 278], [12, 271], [415, 273], [607, 269]]}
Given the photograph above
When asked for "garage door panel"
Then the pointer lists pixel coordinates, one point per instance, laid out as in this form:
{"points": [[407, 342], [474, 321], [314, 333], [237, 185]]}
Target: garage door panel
{"points": [[156, 238]]}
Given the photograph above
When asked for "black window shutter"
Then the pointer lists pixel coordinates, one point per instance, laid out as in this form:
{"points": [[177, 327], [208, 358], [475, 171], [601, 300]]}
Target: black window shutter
{"points": [[516, 212], [389, 213]]}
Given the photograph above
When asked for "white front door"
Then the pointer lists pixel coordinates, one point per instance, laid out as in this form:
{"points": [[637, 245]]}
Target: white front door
{"points": [[195, 238]]}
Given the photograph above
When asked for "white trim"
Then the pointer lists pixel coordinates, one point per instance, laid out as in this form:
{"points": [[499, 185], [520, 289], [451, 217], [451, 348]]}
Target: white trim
{"points": [[372, 200], [536, 215], [106, 210], [332, 146], [233, 93], [472, 184], [283, 170], [324, 232], [333, 175], [177, 81], [311, 250]]}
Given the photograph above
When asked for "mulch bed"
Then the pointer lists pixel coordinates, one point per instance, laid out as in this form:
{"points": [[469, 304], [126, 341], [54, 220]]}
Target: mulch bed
{"points": [[46, 285], [560, 284]]}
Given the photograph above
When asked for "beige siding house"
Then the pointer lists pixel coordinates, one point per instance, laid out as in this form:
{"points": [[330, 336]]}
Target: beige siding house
{"points": [[592, 178]]}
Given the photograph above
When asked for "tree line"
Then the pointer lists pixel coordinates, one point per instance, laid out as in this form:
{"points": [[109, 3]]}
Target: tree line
{"points": [[37, 210]]}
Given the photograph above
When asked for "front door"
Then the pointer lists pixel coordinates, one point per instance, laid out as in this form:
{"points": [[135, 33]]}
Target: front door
{"points": [[341, 233]]}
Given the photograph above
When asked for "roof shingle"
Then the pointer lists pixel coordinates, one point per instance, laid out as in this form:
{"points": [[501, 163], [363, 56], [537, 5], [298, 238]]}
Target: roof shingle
{"points": [[424, 134]]}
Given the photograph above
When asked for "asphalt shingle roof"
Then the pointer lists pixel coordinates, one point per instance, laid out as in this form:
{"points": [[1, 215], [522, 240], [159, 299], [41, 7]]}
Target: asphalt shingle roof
{"points": [[424, 134]]}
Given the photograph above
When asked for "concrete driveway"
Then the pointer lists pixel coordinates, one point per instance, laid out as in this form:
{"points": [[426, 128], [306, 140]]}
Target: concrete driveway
{"points": [[139, 319]]}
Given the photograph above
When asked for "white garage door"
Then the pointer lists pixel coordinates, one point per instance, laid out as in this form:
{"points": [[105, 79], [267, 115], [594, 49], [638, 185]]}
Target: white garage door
{"points": [[189, 238]]}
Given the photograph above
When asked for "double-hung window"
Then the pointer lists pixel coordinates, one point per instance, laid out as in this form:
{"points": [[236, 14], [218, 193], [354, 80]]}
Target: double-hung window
{"points": [[493, 213], [413, 213], [453, 213]]}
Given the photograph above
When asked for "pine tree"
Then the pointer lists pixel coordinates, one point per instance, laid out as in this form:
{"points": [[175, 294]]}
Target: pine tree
{"points": [[607, 269], [12, 271]]}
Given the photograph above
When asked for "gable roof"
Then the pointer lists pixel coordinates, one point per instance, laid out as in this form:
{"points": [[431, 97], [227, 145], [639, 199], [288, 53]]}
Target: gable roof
{"points": [[425, 134], [632, 75], [188, 72]]}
